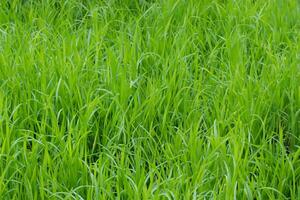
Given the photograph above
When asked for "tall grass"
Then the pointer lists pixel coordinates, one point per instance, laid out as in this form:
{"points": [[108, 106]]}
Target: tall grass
{"points": [[137, 99]]}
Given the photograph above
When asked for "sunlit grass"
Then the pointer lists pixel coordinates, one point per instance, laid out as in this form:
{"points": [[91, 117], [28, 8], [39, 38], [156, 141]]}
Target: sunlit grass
{"points": [[137, 99]]}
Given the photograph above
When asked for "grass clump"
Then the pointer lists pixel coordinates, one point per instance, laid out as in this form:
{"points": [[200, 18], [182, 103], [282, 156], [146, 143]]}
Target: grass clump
{"points": [[131, 99]]}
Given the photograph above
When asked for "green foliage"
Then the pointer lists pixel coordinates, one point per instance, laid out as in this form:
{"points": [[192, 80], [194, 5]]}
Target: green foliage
{"points": [[144, 99]]}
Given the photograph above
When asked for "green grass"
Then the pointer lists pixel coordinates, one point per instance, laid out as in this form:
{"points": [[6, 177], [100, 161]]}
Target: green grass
{"points": [[137, 99]]}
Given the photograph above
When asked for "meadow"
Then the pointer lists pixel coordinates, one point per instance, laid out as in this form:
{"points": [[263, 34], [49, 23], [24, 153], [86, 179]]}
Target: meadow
{"points": [[149, 99]]}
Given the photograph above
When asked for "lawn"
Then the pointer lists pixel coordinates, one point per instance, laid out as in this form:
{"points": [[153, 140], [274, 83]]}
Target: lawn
{"points": [[149, 99]]}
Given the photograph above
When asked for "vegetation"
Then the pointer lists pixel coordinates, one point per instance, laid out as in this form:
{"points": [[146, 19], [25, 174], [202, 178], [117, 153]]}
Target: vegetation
{"points": [[137, 99]]}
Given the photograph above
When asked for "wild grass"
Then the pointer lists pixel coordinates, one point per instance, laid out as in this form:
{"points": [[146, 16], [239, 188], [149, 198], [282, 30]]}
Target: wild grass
{"points": [[137, 99]]}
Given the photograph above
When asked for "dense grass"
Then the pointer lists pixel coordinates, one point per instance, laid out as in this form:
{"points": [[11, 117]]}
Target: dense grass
{"points": [[137, 99]]}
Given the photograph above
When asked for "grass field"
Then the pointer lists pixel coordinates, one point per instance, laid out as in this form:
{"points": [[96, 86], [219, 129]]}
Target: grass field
{"points": [[137, 99]]}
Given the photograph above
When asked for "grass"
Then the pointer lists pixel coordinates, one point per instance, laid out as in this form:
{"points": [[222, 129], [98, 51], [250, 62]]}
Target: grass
{"points": [[136, 99]]}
